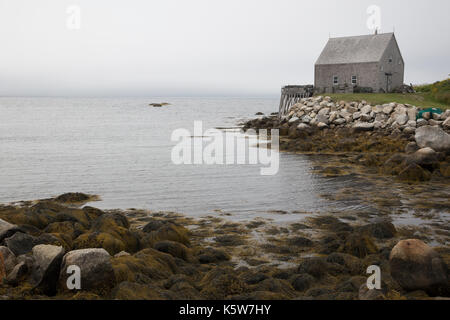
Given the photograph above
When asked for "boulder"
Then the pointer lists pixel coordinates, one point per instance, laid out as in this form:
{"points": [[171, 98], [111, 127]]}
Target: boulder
{"points": [[421, 123], [411, 147], [433, 137], [18, 274], [173, 248], [416, 266], [7, 229], [9, 259], [363, 126], [446, 124], [387, 109], [97, 273], [366, 109], [426, 158], [45, 272], [20, 243]]}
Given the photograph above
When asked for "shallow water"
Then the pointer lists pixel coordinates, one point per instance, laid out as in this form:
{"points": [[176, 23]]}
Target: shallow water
{"points": [[120, 149]]}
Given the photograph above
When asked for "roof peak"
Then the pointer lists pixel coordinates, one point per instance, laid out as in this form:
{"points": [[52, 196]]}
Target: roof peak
{"points": [[364, 35]]}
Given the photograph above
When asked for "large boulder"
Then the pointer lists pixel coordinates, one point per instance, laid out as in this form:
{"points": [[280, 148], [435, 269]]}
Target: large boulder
{"points": [[7, 229], [47, 261], [433, 137], [416, 266], [97, 273], [20, 243]]}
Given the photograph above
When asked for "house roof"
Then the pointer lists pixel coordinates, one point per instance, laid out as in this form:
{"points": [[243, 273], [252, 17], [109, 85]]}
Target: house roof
{"points": [[358, 49]]}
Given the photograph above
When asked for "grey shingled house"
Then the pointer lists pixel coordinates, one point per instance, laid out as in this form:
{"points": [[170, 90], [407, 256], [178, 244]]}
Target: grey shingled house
{"points": [[370, 63]]}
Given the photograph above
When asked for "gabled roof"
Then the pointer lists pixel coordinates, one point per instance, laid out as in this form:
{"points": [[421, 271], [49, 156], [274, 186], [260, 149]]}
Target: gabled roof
{"points": [[359, 49]]}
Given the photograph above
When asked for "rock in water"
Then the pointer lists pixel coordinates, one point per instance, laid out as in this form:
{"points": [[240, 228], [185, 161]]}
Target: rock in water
{"points": [[7, 229], [97, 273], [433, 137], [416, 266], [46, 267]]}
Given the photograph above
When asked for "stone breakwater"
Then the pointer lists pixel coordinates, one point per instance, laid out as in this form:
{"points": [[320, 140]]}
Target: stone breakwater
{"points": [[390, 137], [322, 112]]}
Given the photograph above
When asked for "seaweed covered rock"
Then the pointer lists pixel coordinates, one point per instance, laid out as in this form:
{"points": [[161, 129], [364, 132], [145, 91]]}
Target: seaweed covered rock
{"points": [[73, 197], [173, 248], [159, 231], [212, 255], [416, 266], [136, 291], [379, 230], [358, 245], [111, 232], [97, 273], [147, 265], [302, 282], [316, 267], [222, 282]]}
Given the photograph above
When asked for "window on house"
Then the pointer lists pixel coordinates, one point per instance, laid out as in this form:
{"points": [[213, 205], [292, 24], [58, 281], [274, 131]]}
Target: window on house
{"points": [[390, 60], [335, 80], [354, 80]]}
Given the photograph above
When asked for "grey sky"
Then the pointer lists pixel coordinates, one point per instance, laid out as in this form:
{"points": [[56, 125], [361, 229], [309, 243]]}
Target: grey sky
{"points": [[199, 47]]}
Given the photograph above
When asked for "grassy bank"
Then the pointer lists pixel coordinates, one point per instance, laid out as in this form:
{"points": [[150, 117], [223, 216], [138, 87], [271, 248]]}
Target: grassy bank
{"points": [[422, 99]]}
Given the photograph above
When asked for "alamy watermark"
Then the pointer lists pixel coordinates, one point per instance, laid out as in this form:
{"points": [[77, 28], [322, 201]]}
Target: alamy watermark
{"points": [[374, 19], [374, 281], [74, 280], [73, 21], [225, 148]]}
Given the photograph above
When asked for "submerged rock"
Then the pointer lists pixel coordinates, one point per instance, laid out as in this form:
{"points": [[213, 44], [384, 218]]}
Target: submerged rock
{"points": [[75, 197], [416, 266]]}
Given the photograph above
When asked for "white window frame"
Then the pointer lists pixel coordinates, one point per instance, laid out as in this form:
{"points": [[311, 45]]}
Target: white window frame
{"points": [[335, 80], [354, 80]]}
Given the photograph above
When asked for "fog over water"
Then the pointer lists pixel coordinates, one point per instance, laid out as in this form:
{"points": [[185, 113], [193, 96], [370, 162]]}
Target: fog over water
{"points": [[200, 47]]}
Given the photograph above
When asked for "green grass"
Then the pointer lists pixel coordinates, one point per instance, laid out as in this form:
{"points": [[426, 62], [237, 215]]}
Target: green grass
{"points": [[421, 99]]}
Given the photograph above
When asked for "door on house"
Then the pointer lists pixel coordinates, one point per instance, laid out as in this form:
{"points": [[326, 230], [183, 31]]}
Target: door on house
{"points": [[388, 81]]}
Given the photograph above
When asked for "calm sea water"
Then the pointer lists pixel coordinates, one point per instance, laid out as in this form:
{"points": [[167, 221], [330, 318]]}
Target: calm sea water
{"points": [[120, 149]]}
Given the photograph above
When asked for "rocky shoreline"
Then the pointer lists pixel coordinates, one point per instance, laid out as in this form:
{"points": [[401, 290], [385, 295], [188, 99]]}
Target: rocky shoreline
{"points": [[388, 137], [136, 254]]}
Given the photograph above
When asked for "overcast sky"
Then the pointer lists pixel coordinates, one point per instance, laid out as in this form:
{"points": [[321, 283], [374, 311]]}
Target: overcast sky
{"points": [[199, 47]]}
